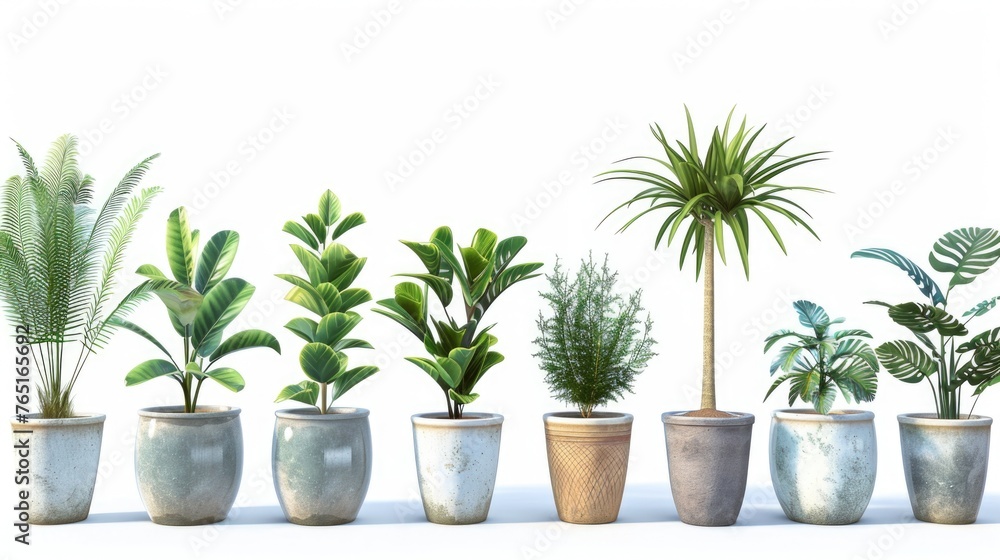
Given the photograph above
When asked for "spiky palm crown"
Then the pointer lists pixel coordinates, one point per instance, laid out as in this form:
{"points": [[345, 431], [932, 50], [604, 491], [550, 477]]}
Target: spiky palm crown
{"points": [[58, 260]]}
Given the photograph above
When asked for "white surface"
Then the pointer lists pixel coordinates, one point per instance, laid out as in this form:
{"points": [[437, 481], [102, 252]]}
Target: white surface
{"points": [[258, 109]]}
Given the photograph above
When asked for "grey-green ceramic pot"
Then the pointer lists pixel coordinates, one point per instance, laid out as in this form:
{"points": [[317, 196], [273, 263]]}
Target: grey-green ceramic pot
{"points": [[322, 464], [188, 465]]}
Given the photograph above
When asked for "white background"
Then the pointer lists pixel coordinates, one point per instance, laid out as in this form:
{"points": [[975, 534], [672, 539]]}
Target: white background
{"points": [[902, 93]]}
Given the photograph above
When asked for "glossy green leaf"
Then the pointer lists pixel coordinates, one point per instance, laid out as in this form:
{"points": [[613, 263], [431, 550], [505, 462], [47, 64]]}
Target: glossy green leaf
{"points": [[923, 280], [346, 381], [311, 264], [440, 288], [316, 225], [228, 378], [329, 208], [966, 253], [303, 327], [216, 259], [180, 247], [220, 307], [150, 369], [983, 307], [335, 326], [130, 326], [302, 233], [923, 318], [306, 392], [349, 222], [321, 363], [244, 340], [906, 361], [462, 399]]}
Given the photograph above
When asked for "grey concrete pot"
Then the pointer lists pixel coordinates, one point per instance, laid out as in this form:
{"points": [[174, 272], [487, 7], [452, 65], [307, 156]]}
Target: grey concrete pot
{"points": [[456, 465], [823, 465], [62, 457], [945, 464], [708, 459], [188, 465], [322, 464]]}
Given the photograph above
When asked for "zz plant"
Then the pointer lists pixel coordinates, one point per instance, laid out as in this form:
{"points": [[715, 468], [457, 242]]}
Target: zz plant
{"points": [[819, 362], [201, 303], [59, 255], [941, 358], [591, 346], [706, 196], [330, 269], [460, 349]]}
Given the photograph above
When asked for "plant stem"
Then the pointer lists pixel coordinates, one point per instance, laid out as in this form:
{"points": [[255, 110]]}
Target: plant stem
{"points": [[322, 398], [708, 348]]}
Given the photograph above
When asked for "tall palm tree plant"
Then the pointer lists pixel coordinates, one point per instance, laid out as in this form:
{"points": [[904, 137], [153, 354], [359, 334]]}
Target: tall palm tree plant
{"points": [[59, 256], [707, 196]]}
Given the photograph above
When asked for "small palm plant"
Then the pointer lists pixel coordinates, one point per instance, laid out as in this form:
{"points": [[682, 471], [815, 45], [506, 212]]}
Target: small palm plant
{"points": [[818, 363], [58, 260], [326, 291], [710, 195], [592, 346]]}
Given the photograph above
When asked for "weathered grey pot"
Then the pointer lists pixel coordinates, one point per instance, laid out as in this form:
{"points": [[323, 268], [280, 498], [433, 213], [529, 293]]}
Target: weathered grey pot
{"points": [[62, 455], [322, 464], [188, 465], [708, 459], [823, 465], [588, 464], [945, 464], [456, 465]]}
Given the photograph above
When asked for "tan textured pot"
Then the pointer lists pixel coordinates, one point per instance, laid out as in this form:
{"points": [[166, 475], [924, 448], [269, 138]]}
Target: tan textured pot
{"points": [[588, 461]]}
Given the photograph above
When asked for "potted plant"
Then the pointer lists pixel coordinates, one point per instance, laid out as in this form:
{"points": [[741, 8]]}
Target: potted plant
{"points": [[708, 449], [58, 259], [591, 347], [312, 488], [457, 452], [189, 458], [823, 461], [945, 453]]}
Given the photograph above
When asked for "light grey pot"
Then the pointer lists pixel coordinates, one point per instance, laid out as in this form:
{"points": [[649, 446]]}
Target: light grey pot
{"points": [[457, 465], [322, 464], [945, 464], [188, 465], [708, 459], [63, 455], [823, 465]]}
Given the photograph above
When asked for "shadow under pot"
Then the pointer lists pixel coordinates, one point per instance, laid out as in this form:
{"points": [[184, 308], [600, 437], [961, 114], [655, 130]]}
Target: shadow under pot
{"points": [[823, 465], [322, 464], [945, 464], [588, 462], [456, 465], [62, 455], [188, 465], [708, 459]]}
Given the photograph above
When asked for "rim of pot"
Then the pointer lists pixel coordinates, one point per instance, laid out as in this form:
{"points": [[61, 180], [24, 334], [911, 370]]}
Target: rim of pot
{"points": [[597, 418], [810, 415], [79, 419], [202, 411], [677, 417], [931, 419], [333, 413], [469, 419]]}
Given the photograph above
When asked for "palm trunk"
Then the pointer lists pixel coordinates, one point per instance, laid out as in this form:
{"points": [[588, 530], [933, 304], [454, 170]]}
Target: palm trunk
{"points": [[708, 348]]}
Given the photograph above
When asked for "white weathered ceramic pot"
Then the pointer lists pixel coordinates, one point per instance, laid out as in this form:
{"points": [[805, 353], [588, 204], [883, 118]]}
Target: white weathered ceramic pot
{"points": [[62, 456], [188, 465], [322, 464], [945, 464], [823, 465], [456, 465]]}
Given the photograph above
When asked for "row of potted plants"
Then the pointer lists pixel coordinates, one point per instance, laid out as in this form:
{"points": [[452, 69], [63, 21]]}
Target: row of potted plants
{"points": [[59, 257]]}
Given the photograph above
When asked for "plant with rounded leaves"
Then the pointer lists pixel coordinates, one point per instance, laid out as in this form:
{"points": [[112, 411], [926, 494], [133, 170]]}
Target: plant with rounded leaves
{"points": [[201, 302], [710, 195], [818, 363], [461, 352], [326, 291], [965, 254]]}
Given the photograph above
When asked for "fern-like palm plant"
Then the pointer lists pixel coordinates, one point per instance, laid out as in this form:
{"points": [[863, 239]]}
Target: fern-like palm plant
{"points": [[58, 259], [708, 195], [818, 363]]}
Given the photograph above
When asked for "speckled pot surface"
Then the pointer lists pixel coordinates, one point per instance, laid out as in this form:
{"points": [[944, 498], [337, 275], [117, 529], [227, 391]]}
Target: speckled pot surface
{"points": [[188, 466], [456, 465], [708, 460], [945, 464], [63, 455], [823, 465], [322, 464]]}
